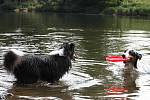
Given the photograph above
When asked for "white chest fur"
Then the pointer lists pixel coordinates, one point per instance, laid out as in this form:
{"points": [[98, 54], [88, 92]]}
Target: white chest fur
{"points": [[17, 52], [59, 52]]}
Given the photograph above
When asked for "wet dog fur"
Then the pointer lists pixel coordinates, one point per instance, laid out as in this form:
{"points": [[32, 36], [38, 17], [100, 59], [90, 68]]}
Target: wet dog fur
{"points": [[132, 57], [31, 68]]}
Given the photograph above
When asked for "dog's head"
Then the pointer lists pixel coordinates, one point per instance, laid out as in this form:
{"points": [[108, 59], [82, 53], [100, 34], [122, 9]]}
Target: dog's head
{"points": [[132, 57], [68, 50]]}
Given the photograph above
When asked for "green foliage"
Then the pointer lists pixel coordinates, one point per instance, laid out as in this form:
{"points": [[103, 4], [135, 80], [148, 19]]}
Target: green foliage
{"points": [[129, 8], [113, 3], [49, 5], [109, 11], [111, 7], [8, 6]]}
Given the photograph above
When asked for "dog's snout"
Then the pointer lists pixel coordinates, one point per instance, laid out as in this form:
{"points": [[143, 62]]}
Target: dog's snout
{"points": [[123, 56]]}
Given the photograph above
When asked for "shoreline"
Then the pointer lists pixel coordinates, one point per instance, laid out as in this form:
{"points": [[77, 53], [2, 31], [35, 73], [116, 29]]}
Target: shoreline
{"points": [[121, 8]]}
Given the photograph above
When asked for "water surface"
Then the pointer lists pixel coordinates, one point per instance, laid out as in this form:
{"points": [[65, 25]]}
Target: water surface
{"points": [[91, 77]]}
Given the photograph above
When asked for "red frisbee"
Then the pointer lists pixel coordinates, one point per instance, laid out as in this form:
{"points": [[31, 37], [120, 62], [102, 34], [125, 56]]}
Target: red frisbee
{"points": [[115, 58], [116, 90]]}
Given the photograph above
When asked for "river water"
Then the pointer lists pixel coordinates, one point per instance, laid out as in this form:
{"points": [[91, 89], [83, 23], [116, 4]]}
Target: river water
{"points": [[95, 37]]}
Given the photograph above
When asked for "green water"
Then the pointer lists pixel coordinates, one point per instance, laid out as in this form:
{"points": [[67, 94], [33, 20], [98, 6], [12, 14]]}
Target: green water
{"points": [[91, 77]]}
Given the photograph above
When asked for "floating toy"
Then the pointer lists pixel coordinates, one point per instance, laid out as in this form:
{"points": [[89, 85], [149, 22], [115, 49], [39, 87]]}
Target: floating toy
{"points": [[115, 58], [116, 90]]}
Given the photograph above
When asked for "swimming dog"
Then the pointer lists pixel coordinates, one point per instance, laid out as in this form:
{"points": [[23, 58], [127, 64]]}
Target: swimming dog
{"points": [[132, 57], [131, 68]]}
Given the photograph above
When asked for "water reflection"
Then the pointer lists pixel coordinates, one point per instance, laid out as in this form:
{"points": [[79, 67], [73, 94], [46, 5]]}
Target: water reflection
{"points": [[40, 91], [95, 37]]}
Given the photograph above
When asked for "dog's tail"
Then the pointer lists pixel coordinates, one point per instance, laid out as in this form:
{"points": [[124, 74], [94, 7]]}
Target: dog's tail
{"points": [[10, 59]]}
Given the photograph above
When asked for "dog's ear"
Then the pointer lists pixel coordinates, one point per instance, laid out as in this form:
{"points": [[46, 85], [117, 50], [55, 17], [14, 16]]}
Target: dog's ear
{"points": [[139, 56], [72, 46], [125, 50]]}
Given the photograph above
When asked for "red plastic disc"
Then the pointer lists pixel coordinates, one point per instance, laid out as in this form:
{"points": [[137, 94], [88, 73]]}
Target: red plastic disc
{"points": [[116, 90], [115, 58]]}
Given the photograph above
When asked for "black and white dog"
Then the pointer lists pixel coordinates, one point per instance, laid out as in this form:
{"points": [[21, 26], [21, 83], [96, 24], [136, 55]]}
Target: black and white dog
{"points": [[31, 68], [131, 68], [131, 57]]}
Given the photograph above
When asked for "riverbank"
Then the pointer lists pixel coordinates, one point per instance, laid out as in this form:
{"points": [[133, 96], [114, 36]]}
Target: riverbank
{"points": [[106, 7], [132, 8]]}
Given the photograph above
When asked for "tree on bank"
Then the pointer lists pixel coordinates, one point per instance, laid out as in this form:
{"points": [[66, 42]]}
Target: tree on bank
{"points": [[61, 5], [15, 4], [111, 7]]}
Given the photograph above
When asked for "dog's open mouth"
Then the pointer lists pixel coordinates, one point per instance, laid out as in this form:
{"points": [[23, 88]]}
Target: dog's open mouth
{"points": [[128, 59], [75, 56], [125, 59]]}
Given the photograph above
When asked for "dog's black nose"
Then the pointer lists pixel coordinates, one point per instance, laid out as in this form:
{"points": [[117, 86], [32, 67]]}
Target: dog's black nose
{"points": [[123, 56]]}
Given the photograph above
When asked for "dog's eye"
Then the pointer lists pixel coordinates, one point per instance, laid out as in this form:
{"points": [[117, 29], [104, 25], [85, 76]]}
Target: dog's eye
{"points": [[132, 53]]}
